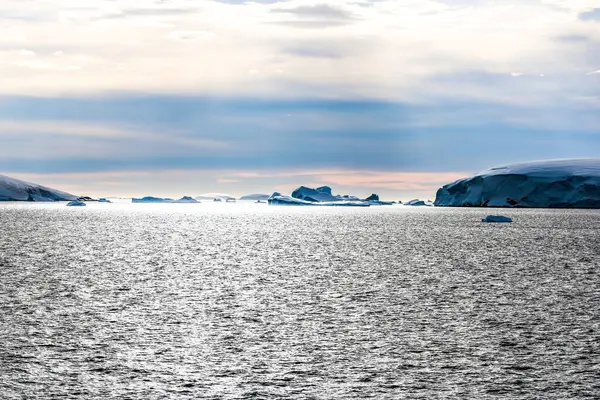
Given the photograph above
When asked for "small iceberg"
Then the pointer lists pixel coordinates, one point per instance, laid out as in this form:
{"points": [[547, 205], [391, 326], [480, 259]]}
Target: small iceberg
{"points": [[151, 199], [186, 200], [418, 203], [496, 218], [104, 200], [76, 203]]}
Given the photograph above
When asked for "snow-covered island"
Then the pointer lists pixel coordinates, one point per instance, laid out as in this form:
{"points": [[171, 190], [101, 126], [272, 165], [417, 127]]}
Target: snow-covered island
{"points": [[323, 196], [17, 190], [550, 184]]}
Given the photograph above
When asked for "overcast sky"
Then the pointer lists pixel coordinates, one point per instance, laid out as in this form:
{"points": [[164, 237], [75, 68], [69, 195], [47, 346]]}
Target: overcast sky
{"points": [[135, 97]]}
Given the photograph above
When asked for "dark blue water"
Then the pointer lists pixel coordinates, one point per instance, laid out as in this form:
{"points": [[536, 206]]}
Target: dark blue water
{"points": [[257, 302]]}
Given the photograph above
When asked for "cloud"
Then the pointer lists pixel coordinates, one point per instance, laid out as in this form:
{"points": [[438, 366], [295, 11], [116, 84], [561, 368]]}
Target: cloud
{"points": [[190, 35], [593, 15], [389, 50], [321, 11]]}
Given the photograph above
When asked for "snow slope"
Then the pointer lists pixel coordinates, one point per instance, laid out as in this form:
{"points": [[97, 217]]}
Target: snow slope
{"points": [[552, 183], [17, 190]]}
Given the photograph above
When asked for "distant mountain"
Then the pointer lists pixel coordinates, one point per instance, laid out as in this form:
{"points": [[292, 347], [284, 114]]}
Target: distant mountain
{"points": [[17, 190]]}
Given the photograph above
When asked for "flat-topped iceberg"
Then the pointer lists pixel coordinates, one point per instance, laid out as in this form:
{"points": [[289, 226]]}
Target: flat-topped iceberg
{"points": [[551, 184], [214, 196], [76, 203], [17, 190], [419, 203], [497, 218], [104, 200], [255, 196], [151, 199]]}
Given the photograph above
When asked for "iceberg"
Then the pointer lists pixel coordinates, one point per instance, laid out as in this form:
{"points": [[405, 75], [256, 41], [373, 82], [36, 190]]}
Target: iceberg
{"points": [[151, 199], [282, 200], [186, 200], [418, 203], [255, 196], [17, 190], [104, 200], [318, 195], [213, 196], [550, 184], [324, 194], [496, 218], [76, 203]]}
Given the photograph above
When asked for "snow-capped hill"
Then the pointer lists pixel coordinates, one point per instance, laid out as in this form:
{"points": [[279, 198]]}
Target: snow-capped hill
{"points": [[552, 184], [17, 190]]}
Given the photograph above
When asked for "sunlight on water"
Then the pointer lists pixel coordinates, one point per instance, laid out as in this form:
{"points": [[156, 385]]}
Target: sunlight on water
{"points": [[236, 301]]}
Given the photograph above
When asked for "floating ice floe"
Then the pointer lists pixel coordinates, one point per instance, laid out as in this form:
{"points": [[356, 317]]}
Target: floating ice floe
{"points": [[496, 218], [76, 203]]}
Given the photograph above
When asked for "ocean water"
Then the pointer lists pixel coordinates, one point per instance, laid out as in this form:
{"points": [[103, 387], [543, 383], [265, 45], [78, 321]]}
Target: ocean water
{"points": [[234, 301]]}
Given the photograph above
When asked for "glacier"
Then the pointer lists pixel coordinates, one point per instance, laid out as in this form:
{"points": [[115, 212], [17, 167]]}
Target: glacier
{"points": [[12, 189], [569, 183]]}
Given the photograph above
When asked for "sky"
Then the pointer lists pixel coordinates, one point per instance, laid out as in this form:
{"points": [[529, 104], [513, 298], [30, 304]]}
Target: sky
{"points": [[182, 97]]}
